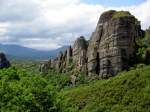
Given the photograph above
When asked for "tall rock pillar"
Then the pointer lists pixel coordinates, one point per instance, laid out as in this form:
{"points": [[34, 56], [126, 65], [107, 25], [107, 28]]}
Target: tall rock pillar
{"points": [[112, 45]]}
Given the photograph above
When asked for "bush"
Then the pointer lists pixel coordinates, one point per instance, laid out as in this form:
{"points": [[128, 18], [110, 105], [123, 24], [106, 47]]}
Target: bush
{"points": [[20, 91], [128, 92], [141, 47], [23, 90]]}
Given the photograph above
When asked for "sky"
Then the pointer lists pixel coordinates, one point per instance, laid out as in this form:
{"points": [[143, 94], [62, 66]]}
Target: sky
{"points": [[114, 2], [50, 24]]}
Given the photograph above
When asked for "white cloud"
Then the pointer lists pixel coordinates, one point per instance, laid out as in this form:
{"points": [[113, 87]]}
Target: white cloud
{"points": [[48, 24], [141, 12], [3, 27], [41, 43], [3, 30]]}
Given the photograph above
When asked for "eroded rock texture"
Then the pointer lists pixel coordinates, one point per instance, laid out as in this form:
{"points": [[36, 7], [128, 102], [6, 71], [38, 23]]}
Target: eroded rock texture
{"points": [[79, 53], [45, 67], [69, 56], [4, 63], [110, 49], [112, 45]]}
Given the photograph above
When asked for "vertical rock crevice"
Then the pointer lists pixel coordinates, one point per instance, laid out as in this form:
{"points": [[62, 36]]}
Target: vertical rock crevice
{"points": [[98, 64]]}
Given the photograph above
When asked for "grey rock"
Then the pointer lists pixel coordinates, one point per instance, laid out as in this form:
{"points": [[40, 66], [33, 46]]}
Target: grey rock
{"points": [[79, 53], [110, 49], [69, 55], [112, 44], [73, 80], [45, 67], [4, 63]]}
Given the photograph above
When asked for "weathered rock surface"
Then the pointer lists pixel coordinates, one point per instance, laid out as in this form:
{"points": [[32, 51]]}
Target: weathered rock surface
{"points": [[69, 55], [79, 53], [4, 63], [148, 35], [112, 44], [110, 49], [45, 67], [60, 63]]}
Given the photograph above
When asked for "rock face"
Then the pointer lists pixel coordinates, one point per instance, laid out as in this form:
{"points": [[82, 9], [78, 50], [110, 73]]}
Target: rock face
{"points": [[111, 46], [79, 53], [69, 55], [4, 63], [148, 34], [110, 49], [60, 63], [45, 67]]}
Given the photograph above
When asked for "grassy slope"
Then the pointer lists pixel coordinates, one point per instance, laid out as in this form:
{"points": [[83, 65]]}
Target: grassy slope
{"points": [[127, 92]]}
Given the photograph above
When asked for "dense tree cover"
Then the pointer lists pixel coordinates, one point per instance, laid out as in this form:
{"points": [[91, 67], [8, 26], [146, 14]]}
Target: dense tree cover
{"points": [[21, 91], [142, 43], [25, 90]]}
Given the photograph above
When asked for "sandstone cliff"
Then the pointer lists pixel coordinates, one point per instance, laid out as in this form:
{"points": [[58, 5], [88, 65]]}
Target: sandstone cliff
{"points": [[110, 49]]}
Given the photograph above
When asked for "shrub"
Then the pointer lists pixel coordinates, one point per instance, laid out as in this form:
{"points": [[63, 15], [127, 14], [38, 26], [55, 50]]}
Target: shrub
{"points": [[22, 91]]}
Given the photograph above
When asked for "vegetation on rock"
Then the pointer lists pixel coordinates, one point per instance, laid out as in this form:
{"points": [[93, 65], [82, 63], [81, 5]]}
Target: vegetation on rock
{"points": [[121, 14], [117, 14]]}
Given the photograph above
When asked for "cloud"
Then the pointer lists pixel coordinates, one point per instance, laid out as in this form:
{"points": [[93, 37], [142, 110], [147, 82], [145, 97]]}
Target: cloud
{"points": [[18, 10], [141, 12], [49, 24]]}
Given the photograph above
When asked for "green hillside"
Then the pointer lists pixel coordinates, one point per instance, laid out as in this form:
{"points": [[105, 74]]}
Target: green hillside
{"points": [[25, 90], [127, 92]]}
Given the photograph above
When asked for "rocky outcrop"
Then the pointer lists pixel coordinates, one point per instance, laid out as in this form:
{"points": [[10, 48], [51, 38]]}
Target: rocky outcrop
{"points": [[4, 63], [79, 53], [148, 35], [69, 56], [110, 49], [60, 63], [45, 67], [112, 45]]}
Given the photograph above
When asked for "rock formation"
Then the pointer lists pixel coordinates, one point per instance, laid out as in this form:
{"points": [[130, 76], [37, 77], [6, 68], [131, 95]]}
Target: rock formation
{"points": [[69, 56], [79, 53], [110, 49], [4, 63], [112, 45], [45, 67], [148, 35]]}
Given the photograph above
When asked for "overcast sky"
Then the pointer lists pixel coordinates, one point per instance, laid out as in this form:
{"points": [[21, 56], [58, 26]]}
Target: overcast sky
{"points": [[49, 24]]}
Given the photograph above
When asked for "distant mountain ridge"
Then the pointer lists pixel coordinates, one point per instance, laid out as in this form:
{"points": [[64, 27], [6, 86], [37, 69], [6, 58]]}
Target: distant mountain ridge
{"points": [[24, 53]]}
